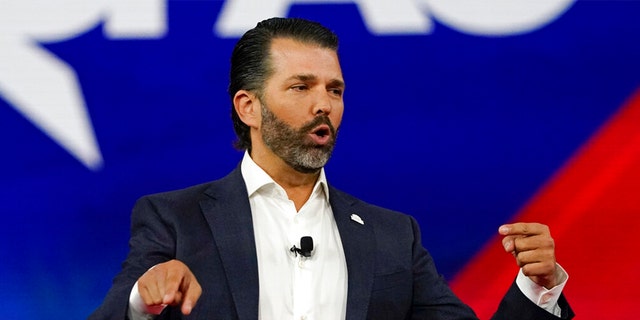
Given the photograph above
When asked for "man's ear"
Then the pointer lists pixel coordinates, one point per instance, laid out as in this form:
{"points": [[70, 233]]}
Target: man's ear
{"points": [[247, 106]]}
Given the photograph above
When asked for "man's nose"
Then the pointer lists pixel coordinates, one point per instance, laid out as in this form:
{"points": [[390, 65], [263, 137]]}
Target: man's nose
{"points": [[322, 103]]}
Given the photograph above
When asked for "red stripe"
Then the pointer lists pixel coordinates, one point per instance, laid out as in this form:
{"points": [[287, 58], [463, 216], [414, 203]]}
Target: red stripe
{"points": [[593, 208]]}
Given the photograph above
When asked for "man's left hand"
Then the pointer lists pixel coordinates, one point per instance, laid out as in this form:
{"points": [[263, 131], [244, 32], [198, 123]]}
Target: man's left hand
{"points": [[532, 246]]}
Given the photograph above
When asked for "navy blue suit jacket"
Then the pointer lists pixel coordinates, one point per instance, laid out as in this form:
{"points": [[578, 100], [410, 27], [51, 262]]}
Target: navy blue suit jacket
{"points": [[209, 228]]}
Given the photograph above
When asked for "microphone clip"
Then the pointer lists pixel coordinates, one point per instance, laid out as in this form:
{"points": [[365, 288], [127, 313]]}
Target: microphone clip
{"points": [[297, 251], [306, 246]]}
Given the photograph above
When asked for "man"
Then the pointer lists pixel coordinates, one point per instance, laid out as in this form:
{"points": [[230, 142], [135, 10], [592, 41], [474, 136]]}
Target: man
{"points": [[232, 248]]}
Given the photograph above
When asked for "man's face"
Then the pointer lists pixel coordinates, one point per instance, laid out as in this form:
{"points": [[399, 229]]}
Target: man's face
{"points": [[302, 104]]}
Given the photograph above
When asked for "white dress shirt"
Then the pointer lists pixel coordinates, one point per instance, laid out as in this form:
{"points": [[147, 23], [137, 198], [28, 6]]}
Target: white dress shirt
{"points": [[292, 286], [298, 288]]}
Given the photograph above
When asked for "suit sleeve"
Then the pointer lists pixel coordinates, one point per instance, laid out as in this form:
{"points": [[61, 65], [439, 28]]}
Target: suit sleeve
{"points": [[152, 241], [515, 305]]}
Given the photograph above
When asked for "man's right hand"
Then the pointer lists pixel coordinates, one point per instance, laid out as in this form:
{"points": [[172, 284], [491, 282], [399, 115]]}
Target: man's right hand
{"points": [[170, 283]]}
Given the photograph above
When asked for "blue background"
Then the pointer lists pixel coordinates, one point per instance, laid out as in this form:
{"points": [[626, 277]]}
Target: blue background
{"points": [[455, 129]]}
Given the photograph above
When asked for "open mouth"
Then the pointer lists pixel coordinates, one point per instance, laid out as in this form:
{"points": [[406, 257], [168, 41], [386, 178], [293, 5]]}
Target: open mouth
{"points": [[321, 135], [322, 131]]}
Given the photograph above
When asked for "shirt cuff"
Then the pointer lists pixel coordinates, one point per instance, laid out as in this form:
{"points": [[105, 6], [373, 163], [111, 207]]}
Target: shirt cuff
{"points": [[138, 310], [546, 299]]}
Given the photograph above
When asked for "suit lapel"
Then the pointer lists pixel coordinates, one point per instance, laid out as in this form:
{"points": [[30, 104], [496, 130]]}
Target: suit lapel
{"points": [[228, 213], [358, 243], [229, 216]]}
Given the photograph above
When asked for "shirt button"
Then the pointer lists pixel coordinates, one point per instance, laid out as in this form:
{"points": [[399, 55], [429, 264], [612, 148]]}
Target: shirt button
{"points": [[546, 297], [303, 318], [301, 264]]}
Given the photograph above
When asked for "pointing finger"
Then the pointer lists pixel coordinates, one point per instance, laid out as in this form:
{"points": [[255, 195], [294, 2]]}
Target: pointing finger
{"points": [[523, 229], [192, 291]]}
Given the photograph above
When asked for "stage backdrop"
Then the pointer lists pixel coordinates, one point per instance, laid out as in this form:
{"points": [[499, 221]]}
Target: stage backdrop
{"points": [[465, 114]]}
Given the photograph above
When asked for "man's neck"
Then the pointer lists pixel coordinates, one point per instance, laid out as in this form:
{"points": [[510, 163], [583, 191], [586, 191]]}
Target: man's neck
{"points": [[297, 185]]}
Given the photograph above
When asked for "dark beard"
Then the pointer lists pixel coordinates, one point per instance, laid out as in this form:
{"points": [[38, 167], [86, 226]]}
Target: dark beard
{"points": [[293, 146]]}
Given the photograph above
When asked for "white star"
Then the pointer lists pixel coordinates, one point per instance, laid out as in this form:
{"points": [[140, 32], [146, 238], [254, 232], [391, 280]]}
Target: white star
{"points": [[45, 90]]}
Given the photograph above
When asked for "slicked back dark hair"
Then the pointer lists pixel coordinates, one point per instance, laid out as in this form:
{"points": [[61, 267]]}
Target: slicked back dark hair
{"points": [[251, 63]]}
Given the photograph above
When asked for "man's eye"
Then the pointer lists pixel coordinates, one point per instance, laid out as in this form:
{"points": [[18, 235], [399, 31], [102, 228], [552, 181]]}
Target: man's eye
{"points": [[337, 92], [299, 88]]}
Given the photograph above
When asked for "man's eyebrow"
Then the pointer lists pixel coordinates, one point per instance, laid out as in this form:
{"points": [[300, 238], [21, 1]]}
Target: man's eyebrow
{"points": [[312, 77], [303, 77], [336, 83]]}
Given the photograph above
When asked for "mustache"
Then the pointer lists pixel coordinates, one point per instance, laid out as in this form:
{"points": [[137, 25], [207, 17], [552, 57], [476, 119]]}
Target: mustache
{"points": [[318, 120]]}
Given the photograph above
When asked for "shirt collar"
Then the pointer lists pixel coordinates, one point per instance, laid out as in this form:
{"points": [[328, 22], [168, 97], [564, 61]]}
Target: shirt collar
{"points": [[256, 178]]}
